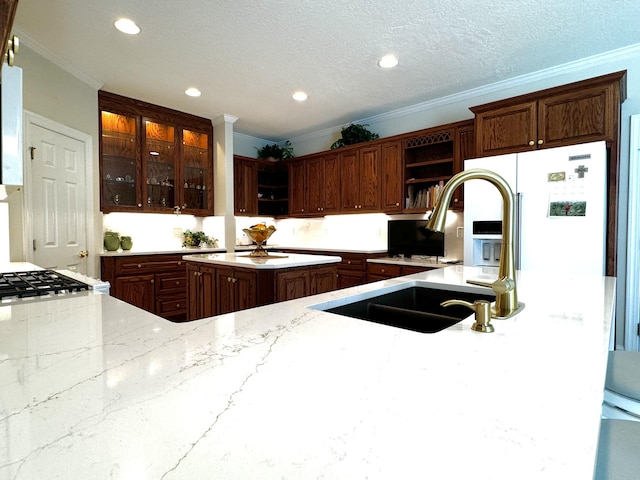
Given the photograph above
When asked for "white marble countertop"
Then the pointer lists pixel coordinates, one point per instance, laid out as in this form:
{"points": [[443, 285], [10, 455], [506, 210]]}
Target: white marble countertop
{"points": [[273, 261], [186, 251], [91, 387], [412, 262]]}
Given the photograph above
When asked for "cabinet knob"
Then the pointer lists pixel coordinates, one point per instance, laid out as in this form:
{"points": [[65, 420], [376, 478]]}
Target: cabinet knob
{"points": [[153, 281], [228, 279], [139, 205], [397, 204], [139, 265], [531, 142], [178, 283], [177, 305], [382, 270], [540, 142]]}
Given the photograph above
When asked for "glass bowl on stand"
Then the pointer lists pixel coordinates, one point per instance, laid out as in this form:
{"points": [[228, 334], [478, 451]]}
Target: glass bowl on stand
{"points": [[259, 234]]}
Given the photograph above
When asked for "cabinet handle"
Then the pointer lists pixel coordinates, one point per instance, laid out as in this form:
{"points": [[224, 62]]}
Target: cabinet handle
{"points": [[540, 142], [139, 266], [228, 279], [397, 204], [139, 205], [531, 142], [234, 280]]}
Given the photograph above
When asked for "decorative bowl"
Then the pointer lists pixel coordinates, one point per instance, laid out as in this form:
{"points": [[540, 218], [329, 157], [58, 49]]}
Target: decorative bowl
{"points": [[259, 233]]}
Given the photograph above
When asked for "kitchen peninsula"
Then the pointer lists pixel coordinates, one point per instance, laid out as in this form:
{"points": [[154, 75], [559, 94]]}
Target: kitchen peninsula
{"points": [[226, 282], [92, 387]]}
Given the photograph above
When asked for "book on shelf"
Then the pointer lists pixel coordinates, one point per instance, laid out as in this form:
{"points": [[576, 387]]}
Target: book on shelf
{"points": [[424, 198]]}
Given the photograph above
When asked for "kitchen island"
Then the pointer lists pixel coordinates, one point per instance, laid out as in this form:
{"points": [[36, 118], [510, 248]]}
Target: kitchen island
{"points": [[92, 387]]}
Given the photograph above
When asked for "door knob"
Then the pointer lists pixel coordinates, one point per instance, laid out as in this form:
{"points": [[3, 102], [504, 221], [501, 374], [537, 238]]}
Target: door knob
{"points": [[83, 253]]}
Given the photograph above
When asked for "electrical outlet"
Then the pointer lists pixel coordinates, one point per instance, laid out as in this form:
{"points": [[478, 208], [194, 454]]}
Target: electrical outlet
{"points": [[177, 232], [460, 232]]}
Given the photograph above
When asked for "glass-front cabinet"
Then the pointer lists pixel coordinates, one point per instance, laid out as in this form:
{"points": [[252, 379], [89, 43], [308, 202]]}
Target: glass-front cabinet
{"points": [[196, 172], [153, 159], [119, 153], [160, 159]]}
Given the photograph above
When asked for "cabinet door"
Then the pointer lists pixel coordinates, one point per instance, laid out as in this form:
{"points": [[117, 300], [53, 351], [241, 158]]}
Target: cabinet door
{"points": [[159, 160], [331, 185], [392, 181], [120, 187], [196, 179], [292, 284], [245, 187], [323, 279], [350, 181], [582, 116], [137, 290], [350, 278], [315, 191], [297, 184], [224, 290], [507, 129], [370, 179], [245, 294]]}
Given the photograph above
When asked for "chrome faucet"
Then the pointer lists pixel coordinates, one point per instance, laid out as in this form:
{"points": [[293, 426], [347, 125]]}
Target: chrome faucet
{"points": [[504, 287]]}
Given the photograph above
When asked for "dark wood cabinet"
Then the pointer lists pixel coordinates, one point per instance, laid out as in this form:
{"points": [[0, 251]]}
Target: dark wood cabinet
{"points": [[156, 283], [579, 112], [200, 291], [384, 271], [431, 158], [324, 279], [273, 189], [392, 194], [235, 289], [245, 186], [153, 159], [297, 188], [293, 283], [360, 179], [323, 184]]}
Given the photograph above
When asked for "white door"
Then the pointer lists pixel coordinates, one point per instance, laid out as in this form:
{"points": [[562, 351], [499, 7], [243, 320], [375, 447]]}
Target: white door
{"points": [[58, 179], [562, 194]]}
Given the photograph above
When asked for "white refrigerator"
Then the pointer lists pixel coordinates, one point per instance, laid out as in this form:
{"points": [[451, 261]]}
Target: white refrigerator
{"points": [[560, 209]]}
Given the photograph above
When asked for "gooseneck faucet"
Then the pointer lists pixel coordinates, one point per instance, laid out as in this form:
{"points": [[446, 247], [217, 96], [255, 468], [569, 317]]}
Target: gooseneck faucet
{"points": [[505, 286]]}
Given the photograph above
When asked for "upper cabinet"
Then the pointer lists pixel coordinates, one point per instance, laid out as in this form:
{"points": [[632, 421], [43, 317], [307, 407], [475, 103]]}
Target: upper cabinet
{"points": [[245, 186], [360, 179], [391, 194], [579, 112], [431, 158], [323, 183], [153, 159], [260, 187]]}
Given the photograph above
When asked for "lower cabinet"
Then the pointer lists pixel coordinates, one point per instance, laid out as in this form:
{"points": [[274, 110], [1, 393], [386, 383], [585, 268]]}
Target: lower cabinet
{"points": [[201, 290], [155, 283], [383, 271], [218, 289]]}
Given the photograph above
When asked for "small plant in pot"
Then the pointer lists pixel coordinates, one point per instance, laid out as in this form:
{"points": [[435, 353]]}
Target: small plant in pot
{"points": [[354, 133], [195, 239], [275, 152]]}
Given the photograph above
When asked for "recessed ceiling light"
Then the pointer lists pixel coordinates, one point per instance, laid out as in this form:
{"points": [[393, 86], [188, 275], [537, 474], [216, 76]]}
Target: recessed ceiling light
{"points": [[193, 92], [126, 25], [300, 96], [388, 61]]}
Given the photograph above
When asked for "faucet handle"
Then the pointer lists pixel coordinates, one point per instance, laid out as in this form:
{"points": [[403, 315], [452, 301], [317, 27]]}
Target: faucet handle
{"points": [[500, 286], [482, 309]]}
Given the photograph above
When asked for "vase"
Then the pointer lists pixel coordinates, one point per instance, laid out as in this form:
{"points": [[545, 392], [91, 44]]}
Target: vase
{"points": [[111, 241], [126, 243]]}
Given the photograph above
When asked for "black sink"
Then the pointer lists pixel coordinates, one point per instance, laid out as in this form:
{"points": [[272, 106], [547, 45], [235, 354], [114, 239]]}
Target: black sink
{"points": [[413, 308]]}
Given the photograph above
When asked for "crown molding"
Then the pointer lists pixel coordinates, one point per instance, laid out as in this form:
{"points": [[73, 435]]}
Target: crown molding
{"points": [[570, 67], [43, 51]]}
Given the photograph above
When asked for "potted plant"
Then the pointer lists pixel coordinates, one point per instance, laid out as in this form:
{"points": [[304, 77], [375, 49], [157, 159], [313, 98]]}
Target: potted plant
{"points": [[275, 152], [196, 239], [354, 133]]}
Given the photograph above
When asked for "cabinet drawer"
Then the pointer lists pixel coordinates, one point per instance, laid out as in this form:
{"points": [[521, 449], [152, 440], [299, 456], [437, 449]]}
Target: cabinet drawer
{"points": [[162, 263], [408, 270], [384, 269], [170, 282], [355, 263], [171, 306]]}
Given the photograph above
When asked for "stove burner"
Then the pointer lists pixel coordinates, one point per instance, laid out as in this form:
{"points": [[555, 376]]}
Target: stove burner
{"points": [[36, 283]]}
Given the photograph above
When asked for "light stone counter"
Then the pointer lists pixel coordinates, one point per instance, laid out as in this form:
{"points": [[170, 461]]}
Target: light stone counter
{"points": [[93, 388], [274, 261]]}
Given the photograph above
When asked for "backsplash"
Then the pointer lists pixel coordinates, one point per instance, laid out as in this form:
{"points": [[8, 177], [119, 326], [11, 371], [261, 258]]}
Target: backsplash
{"points": [[158, 232]]}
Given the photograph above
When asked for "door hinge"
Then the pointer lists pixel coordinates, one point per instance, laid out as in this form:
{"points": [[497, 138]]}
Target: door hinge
{"points": [[34, 244]]}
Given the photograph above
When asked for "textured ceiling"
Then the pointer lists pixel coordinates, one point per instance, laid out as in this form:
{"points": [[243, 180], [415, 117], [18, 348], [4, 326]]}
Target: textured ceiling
{"points": [[248, 57]]}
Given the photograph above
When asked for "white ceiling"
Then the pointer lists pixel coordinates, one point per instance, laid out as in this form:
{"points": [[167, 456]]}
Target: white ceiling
{"points": [[248, 57]]}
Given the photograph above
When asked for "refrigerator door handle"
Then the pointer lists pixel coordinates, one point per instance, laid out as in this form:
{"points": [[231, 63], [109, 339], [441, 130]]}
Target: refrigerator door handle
{"points": [[518, 239]]}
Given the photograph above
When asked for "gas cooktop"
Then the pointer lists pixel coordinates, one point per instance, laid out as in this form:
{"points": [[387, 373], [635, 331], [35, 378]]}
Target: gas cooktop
{"points": [[37, 283]]}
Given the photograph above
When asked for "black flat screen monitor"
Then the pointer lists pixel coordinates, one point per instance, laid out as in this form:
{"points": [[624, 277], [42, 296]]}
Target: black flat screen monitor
{"points": [[410, 237]]}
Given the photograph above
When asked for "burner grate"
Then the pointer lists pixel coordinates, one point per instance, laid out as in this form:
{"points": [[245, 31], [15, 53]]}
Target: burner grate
{"points": [[37, 283]]}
